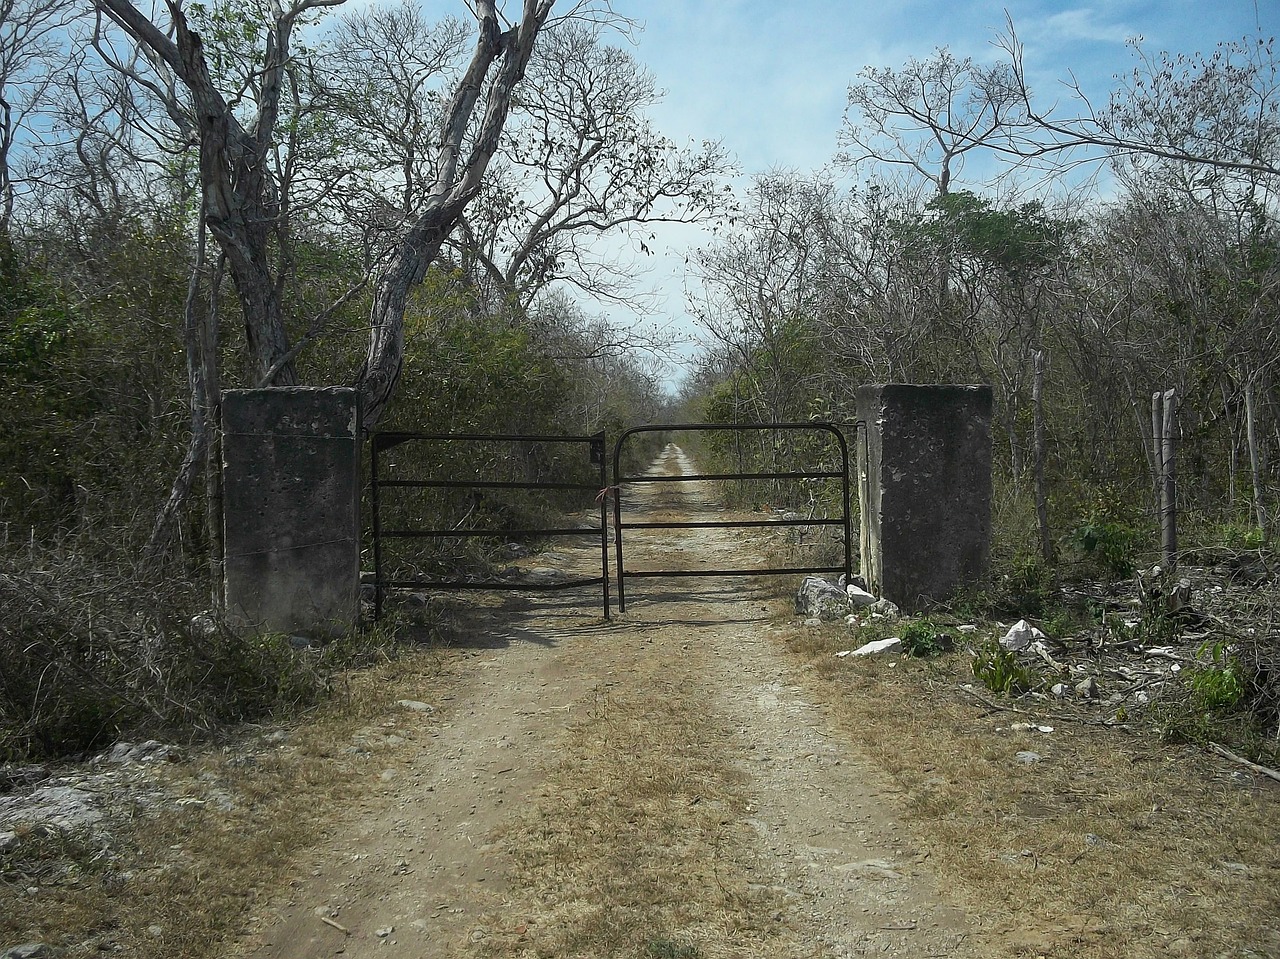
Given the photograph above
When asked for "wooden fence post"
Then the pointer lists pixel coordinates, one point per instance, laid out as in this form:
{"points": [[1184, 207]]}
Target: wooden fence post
{"points": [[1164, 408]]}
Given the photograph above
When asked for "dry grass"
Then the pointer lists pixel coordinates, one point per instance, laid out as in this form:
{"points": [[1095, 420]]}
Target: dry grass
{"points": [[633, 846], [186, 877], [1114, 844]]}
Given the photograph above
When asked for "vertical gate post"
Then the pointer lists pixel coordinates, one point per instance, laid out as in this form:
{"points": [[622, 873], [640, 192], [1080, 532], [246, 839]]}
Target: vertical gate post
{"points": [[924, 471], [291, 478]]}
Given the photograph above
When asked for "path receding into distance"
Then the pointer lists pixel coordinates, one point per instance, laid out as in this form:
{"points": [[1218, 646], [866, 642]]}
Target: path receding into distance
{"points": [[430, 862]]}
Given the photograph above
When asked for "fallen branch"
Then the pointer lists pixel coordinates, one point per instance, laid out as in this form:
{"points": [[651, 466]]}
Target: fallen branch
{"points": [[336, 925], [1226, 753], [1060, 717]]}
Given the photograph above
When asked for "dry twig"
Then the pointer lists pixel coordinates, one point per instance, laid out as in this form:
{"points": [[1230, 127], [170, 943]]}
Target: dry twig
{"points": [[1226, 753]]}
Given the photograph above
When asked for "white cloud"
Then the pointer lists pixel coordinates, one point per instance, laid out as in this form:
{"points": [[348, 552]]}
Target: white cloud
{"points": [[1082, 23]]}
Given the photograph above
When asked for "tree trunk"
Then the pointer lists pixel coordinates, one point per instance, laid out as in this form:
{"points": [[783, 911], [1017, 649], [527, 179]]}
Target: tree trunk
{"points": [[1038, 451], [1164, 435], [1233, 451], [385, 357], [453, 189], [1255, 458], [264, 325], [213, 450], [194, 338], [240, 203]]}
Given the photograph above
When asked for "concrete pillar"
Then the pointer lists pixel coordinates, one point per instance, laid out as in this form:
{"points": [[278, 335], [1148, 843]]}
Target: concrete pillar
{"points": [[924, 468], [291, 510]]}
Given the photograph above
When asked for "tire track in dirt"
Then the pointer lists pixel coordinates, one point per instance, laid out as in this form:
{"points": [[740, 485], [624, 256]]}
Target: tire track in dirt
{"points": [[425, 866]]}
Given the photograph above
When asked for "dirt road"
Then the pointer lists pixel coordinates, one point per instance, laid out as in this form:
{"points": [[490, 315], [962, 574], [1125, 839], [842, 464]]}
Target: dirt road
{"points": [[662, 785]]}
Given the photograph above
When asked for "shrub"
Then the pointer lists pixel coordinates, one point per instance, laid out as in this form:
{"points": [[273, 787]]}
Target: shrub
{"points": [[1222, 682], [1027, 589], [923, 639], [1000, 670], [94, 652], [1238, 536], [1109, 547]]}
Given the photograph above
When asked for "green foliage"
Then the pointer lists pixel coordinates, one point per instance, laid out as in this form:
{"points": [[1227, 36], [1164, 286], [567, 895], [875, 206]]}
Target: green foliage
{"points": [[924, 638], [1231, 696], [1241, 536], [1019, 240], [41, 338], [1001, 671], [1221, 683], [1028, 588], [1058, 621], [91, 397], [469, 372], [1109, 547]]}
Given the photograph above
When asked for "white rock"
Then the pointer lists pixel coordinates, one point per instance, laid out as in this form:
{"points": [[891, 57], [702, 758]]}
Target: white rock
{"points": [[32, 950], [968, 628], [203, 626], [1021, 635], [891, 645], [414, 706], [1029, 727], [859, 596], [818, 598], [885, 608], [64, 807], [147, 752], [1026, 756]]}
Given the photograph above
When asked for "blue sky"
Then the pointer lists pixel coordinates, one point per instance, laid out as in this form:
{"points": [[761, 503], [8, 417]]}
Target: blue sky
{"points": [[770, 79]]}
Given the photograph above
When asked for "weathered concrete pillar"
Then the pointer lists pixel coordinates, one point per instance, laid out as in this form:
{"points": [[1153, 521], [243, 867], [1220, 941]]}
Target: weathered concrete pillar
{"points": [[291, 509], [924, 467]]}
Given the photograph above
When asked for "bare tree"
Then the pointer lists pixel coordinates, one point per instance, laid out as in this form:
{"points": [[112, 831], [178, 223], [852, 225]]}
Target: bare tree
{"points": [[380, 78], [928, 115], [581, 160], [760, 290], [240, 199], [459, 168], [1219, 111], [30, 51]]}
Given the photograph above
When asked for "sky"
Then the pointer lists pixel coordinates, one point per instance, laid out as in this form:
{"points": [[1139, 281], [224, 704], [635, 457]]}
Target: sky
{"points": [[770, 79]]}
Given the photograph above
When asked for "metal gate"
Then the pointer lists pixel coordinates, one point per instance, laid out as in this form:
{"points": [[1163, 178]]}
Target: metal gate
{"points": [[389, 479], [621, 481]]}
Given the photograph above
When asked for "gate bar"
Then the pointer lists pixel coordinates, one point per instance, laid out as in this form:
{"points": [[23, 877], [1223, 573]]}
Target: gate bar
{"points": [[386, 441], [619, 480]]}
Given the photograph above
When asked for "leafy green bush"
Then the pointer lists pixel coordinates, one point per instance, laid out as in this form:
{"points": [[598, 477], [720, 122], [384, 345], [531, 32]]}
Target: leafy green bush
{"points": [[1241, 536], [1222, 682], [1108, 546], [923, 638], [1000, 670], [1028, 588]]}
